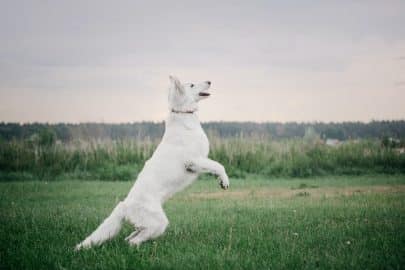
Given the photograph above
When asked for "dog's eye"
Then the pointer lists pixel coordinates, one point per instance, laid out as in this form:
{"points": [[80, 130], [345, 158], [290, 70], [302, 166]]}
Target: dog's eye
{"points": [[191, 85]]}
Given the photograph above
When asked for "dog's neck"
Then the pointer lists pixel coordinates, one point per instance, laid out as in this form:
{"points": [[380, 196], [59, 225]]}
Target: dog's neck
{"points": [[186, 118]]}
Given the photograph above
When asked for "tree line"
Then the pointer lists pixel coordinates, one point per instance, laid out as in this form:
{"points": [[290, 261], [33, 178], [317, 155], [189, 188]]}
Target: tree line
{"points": [[154, 130]]}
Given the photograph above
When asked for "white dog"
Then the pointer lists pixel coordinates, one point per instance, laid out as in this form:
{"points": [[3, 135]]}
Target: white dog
{"points": [[178, 160]]}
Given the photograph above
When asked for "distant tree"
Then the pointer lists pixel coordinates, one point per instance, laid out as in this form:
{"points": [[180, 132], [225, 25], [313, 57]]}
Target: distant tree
{"points": [[311, 136], [47, 137], [154, 131]]}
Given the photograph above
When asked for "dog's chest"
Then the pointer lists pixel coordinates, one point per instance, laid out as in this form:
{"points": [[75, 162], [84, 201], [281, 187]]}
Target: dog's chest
{"points": [[186, 132], [200, 144], [194, 143]]}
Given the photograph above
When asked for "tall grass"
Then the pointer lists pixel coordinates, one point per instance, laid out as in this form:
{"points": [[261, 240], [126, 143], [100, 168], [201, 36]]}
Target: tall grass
{"points": [[301, 158], [122, 160], [103, 160]]}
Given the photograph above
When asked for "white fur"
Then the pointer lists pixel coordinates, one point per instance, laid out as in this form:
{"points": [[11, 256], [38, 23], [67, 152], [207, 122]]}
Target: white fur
{"points": [[178, 160]]}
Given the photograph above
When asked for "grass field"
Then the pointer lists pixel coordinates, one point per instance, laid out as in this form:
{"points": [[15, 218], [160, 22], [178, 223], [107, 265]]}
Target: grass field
{"points": [[341, 222]]}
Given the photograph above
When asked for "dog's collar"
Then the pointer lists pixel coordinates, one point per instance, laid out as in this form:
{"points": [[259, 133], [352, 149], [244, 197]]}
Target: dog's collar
{"points": [[176, 111]]}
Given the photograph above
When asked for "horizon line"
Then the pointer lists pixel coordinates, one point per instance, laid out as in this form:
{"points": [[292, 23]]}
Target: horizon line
{"points": [[204, 122]]}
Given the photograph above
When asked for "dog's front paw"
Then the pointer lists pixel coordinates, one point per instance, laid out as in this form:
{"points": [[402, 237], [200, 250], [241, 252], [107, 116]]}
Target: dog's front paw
{"points": [[224, 182], [190, 167]]}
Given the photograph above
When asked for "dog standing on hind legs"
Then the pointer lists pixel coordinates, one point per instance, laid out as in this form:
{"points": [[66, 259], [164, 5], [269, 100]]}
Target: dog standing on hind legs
{"points": [[176, 163]]}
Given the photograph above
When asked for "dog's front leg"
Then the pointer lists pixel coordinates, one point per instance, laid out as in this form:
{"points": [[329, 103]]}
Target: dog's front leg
{"points": [[206, 165]]}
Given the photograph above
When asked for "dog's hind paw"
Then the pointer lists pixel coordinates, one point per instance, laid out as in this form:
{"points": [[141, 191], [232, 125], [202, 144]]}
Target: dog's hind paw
{"points": [[132, 235]]}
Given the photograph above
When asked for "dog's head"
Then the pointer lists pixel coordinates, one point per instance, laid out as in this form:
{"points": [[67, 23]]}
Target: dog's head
{"points": [[184, 97]]}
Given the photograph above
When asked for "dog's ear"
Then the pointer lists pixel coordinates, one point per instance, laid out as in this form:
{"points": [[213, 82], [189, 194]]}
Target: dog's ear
{"points": [[176, 84]]}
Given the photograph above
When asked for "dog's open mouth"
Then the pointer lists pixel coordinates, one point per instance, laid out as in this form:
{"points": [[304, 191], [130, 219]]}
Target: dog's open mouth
{"points": [[204, 94]]}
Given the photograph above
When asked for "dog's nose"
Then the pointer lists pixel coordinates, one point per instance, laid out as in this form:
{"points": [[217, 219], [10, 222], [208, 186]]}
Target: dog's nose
{"points": [[208, 82]]}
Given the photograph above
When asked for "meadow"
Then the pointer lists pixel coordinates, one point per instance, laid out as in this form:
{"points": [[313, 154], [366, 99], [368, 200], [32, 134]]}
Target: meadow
{"points": [[332, 222], [294, 203]]}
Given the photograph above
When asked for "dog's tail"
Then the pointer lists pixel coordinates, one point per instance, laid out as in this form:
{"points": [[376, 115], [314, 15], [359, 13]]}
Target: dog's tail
{"points": [[107, 230]]}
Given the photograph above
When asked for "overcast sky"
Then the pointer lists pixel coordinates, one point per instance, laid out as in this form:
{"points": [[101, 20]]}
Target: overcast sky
{"points": [[109, 61]]}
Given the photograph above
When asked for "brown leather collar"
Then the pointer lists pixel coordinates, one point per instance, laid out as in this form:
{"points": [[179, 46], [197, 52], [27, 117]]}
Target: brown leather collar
{"points": [[175, 111]]}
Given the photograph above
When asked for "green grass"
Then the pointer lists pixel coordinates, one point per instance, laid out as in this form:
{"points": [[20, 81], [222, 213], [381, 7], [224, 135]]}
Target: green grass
{"points": [[342, 223]]}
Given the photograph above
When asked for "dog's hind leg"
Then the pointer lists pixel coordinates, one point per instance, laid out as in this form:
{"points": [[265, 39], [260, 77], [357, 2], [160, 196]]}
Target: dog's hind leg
{"points": [[152, 225], [133, 234], [107, 230]]}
